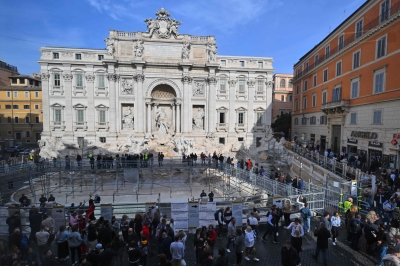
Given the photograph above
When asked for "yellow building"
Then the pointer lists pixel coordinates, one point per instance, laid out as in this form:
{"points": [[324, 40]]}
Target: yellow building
{"points": [[21, 112]]}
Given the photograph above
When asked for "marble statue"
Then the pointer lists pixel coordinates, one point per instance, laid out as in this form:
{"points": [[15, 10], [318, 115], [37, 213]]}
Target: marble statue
{"points": [[128, 118], [198, 119], [173, 27], [162, 26], [110, 46], [212, 52], [139, 48], [128, 141], [152, 25], [183, 145], [185, 50], [161, 121], [127, 86]]}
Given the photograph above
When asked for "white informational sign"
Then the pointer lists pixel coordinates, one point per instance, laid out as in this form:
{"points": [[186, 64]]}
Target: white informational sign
{"points": [[277, 201], [237, 212], [353, 188], [206, 213], [179, 212], [58, 216], [193, 214], [106, 211], [3, 217]]}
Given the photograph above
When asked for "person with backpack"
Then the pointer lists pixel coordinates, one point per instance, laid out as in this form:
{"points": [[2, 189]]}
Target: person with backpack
{"points": [[356, 227], [219, 217], [306, 216], [385, 239]]}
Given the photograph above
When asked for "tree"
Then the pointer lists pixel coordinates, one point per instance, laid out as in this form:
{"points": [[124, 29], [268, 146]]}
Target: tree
{"points": [[283, 124]]}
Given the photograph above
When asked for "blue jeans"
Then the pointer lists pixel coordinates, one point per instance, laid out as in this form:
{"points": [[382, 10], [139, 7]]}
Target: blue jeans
{"points": [[324, 251], [382, 253], [387, 215], [306, 226], [228, 242]]}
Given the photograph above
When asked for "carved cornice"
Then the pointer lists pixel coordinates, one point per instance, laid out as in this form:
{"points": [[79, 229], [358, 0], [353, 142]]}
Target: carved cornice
{"points": [[113, 77], [251, 83], [67, 77], [232, 82], [44, 76], [269, 84], [187, 79], [139, 78], [211, 80], [90, 78]]}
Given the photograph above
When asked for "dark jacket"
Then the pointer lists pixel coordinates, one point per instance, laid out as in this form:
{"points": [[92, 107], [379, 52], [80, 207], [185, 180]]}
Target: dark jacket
{"points": [[165, 247], [289, 257], [93, 258], [106, 257], [322, 235], [222, 261]]}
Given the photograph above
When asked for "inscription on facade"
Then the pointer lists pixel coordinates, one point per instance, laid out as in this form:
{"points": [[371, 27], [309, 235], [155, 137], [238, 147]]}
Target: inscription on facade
{"points": [[364, 135], [199, 53], [163, 51], [126, 49]]}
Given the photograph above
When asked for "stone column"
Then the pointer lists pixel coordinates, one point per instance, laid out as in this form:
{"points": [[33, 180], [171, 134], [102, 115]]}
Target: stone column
{"points": [[232, 114], [269, 103], [173, 116], [91, 117], [139, 78], [69, 117], [250, 107], [186, 103], [148, 117], [211, 103], [47, 115], [112, 79], [178, 121]]}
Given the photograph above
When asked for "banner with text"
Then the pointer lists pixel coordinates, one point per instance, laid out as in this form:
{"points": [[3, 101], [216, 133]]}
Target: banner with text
{"points": [[179, 212], [237, 210], [106, 211], [193, 214], [206, 213]]}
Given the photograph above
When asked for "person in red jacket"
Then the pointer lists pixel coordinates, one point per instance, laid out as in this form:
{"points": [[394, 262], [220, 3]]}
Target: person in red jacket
{"points": [[90, 212], [211, 236], [146, 231]]}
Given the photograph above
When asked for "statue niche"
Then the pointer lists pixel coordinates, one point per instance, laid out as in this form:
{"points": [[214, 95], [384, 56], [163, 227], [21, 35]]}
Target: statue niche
{"points": [[163, 97]]}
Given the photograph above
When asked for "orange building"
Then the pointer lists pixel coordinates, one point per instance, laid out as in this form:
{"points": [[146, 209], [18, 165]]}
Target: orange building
{"points": [[346, 89], [282, 95]]}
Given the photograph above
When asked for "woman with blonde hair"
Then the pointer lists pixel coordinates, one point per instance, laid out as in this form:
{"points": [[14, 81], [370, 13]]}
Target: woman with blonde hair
{"points": [[350, 214]]}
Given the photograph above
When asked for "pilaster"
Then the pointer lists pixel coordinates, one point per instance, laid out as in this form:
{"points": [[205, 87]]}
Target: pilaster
{"points": [[45, 76], [186, 119], [69, 116], [91, 114]]}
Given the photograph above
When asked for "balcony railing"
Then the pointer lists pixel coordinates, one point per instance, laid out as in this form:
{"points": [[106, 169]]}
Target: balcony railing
{"points": [[57, 90], [57, 125], [356, 35], [222, 127], [102, 125], [7, 66], [259, 127], [336, 107], [240, 127], [80, 125]]}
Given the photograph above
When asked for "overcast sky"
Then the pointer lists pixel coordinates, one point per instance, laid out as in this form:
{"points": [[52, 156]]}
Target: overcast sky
{"points": [[282, 29]]}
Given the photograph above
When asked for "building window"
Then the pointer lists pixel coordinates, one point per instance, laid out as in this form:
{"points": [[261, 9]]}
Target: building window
{"points": [[222, 86], [356, 59], [31, 82], [290, 98], [101, 82], [355, 84], [100, 57], [377, 117], [306, 66], [338, 68], [304, 121], [384, 10], [259, 117], [14, 81], [9, 132], [316, 60], [282, 83], [15, 94], [325, 75], [27, 134], [327, 51], [221, 140], [102, 116], [8, 94], [37, 121], [36, 106], [304, 102], [57, 115], [297, 105], [9, 120], [379, 81], [241, 63], [222, 118], [341, 42], [56, 55], [296, 121], [353, 118], [359, 28], [80, 118], [18, 135], [241, 139], [223, 62], [26, 94], [323, 119], [15, 106], [79, 80], [297, 89], [26, 106], [336, 94], [314, 100], [21, 81], [381, 47], [16, 120], [103, 139], [314, 80], [8, 106], [36, 94], [241, 86], [260, 65], [241, 118], [260, 86], [313, 120], [305, 85], [27, 120], [291, 83], [78, 56], [282, 98], [57, 79]]}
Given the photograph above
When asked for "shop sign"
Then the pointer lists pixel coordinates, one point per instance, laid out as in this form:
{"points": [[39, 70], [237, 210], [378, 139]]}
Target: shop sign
{"points": [[364, 135], [375, 144], [396, 136], [353, 141], [394, 142]]}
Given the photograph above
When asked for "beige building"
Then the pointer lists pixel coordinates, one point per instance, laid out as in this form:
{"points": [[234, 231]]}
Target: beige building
{"points": [[282, 95]]}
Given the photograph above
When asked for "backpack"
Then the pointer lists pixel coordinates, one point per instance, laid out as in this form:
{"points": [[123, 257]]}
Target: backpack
{"points": [[24, 241], [216, 215], [304, 213]]}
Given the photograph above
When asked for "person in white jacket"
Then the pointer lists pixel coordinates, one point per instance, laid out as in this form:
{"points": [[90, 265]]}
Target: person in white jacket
{"points": [[249, 244]]}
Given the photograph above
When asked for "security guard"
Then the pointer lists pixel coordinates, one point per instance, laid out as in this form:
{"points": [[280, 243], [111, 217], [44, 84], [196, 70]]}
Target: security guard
{"points": [[347, 204]]}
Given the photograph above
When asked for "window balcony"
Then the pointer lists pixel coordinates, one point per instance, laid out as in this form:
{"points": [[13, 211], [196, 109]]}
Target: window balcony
{"points": [[222, 127], [335, 107], [80, 90], [80, 125], [259, 127], [56, 90], [60, 125], [222, 94], [101, 91], [102, 126], [240, 127]]}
